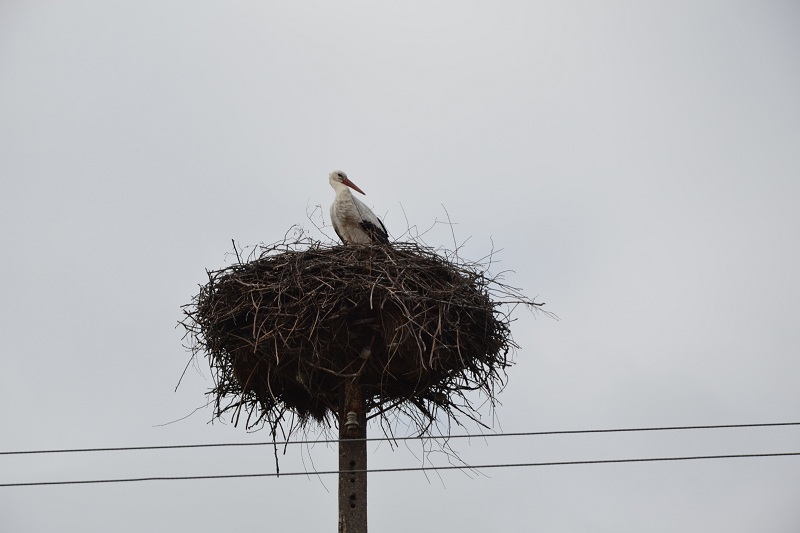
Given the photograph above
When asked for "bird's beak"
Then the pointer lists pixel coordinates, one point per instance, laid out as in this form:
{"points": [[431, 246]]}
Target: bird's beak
{"points": [[353, 186]]}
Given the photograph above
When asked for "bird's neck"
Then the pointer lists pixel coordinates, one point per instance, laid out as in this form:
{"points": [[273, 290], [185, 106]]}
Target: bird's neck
{"points": [[342, 190]]}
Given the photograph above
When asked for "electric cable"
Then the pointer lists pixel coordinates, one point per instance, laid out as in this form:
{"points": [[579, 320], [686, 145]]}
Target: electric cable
{"points": [[397, 439], [405, 469]]}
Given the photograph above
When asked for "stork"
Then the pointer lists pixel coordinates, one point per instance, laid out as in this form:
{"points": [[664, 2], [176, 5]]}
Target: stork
{"points": [[354, 222]]}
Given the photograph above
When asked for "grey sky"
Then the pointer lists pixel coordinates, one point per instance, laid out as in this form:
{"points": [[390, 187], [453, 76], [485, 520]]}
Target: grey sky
{"points": [[637, 163]]}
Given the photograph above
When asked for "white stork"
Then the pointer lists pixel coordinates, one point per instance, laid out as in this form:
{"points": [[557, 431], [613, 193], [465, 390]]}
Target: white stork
{"points": [[354, 222]]}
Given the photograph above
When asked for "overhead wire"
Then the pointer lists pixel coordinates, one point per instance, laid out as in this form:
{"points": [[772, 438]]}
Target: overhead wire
{"points": [[405, 469], [397, 439]]}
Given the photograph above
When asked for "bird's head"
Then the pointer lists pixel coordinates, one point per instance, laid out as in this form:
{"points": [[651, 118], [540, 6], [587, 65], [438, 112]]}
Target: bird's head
{"points": [[337, 176]]}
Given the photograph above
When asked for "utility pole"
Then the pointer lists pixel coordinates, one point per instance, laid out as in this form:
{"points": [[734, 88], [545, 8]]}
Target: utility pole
{"points": [[352, 460]]}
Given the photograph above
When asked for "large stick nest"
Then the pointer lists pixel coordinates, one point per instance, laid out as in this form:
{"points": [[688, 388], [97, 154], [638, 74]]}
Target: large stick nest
{"points": [[284, 331]]}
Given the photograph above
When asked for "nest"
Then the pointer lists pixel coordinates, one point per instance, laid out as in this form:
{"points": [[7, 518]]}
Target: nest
{"points": [[285, 331]]}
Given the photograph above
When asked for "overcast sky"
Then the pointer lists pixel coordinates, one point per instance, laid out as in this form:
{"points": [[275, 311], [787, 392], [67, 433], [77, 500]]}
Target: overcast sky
{"points": [[637, 164]]}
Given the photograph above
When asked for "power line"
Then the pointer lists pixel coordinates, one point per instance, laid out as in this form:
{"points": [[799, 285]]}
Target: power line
{"points": [[406, 469], [395, 439]]}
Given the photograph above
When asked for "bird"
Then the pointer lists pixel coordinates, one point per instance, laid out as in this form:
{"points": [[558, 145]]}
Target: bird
{"points": [[354, 222]]}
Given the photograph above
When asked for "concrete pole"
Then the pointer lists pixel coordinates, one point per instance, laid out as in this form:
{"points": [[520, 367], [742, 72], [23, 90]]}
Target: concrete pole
{"points": [[352, 461]]}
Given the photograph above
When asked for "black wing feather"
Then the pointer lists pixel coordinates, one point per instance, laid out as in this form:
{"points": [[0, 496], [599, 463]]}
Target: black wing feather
{"points": [[378, 234]]}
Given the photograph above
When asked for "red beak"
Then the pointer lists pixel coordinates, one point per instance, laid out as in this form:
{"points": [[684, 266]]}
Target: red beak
{"points": [[353, 186]]}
